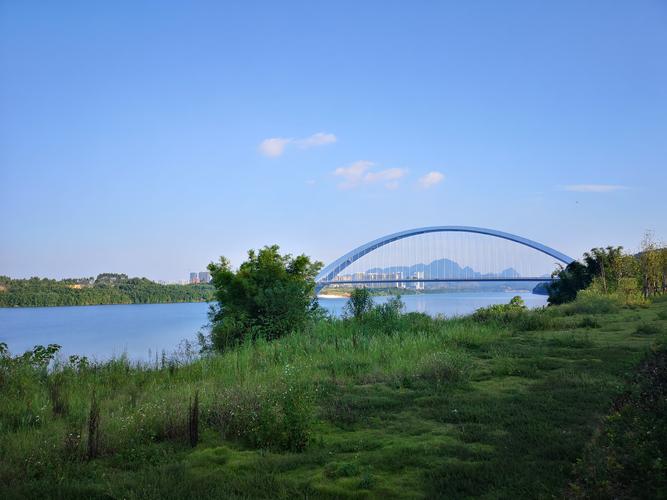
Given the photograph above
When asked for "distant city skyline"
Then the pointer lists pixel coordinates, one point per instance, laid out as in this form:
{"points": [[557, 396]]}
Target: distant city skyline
{"points": [[200, 277], [152, 141]]}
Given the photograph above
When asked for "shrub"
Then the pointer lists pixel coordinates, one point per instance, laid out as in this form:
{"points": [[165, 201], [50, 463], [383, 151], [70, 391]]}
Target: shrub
{"points": [[419, 322], [93, 428], [445, 366], [501, 313], [504, 363], [278, 418], [359, 304], [589, 302], [387, 317], [646, 328], [55, 385], [534, 321], [588, 322], [269, 296], [193, 421]]}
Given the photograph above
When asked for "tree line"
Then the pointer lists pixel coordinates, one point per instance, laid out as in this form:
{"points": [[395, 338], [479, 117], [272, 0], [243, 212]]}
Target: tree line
{"points": [[107, 288], [611, 271], [272, 294]]}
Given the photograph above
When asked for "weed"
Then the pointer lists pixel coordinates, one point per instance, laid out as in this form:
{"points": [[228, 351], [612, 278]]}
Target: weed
{"points": [[424, 407], [93, 428], [193, 421], [572, 341], [588, 322], [591, 303], [533, 321], [646, 328], [445, 367], [56, 394]]}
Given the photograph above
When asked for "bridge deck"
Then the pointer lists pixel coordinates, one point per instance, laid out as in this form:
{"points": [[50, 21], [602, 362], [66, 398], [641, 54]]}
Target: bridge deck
{"points": [[430, 280]]}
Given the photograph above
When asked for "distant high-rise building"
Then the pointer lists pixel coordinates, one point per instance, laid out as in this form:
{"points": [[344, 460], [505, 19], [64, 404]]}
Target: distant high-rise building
{"points": [[204, 277], [419, 285], [194, 278]]}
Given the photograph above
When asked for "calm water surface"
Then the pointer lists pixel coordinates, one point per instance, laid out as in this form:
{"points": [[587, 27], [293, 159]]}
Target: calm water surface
{"points": [[101, 332]]}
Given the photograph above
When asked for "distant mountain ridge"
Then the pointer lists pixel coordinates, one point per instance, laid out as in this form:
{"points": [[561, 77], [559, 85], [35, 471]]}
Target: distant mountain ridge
{"points": [[445, 268]]}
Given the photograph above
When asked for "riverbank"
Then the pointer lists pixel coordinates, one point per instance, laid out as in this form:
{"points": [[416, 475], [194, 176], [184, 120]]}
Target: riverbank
{"points": [[106, 289], [410, 408], [141, 330]]}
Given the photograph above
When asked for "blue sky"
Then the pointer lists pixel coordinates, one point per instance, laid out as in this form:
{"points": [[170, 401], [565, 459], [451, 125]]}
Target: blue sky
{"points": [[152, 137]]}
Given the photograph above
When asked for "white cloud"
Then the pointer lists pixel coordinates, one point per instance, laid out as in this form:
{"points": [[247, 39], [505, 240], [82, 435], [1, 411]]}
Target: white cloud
{"points": [[594, 188], [359, 173], [319, 139], [275, 146], [391, 174], [353, 174], [431, 179]]}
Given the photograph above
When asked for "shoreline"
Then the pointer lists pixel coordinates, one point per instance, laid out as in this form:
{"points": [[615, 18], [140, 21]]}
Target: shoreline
{"points": [[112, 304]]}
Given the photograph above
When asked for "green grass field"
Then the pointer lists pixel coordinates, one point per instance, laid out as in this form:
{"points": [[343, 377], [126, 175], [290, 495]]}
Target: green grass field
{"points": [[412, 408]]}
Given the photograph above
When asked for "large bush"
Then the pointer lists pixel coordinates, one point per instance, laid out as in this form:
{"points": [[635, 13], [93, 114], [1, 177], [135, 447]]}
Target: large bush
{"points": [[592, 302], [502, 313], [269, 296], [359, 304]]}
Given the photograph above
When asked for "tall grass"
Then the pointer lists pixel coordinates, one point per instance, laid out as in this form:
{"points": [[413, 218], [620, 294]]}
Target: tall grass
{"points": [[270, 396], [262, 394]]}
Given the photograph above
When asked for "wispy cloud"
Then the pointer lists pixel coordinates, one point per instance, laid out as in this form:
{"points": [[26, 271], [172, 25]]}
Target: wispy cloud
{"points": [[353, 174], [431, 179], [319, 139], [275, 146], [361, 172], [594, 188]]}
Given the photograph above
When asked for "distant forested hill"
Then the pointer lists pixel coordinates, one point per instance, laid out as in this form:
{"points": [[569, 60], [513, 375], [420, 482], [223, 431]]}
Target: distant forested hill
{"points": [[105, 289]]}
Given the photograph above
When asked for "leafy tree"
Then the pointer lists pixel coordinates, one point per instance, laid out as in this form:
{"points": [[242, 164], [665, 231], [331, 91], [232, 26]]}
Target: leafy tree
{"points": [[572, 278], [653, 266], [605, 263], [605, 270], [269, 296], [359, 304]]}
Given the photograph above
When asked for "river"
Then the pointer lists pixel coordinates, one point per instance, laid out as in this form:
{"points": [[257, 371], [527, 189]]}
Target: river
{"points": [[140, 331]]}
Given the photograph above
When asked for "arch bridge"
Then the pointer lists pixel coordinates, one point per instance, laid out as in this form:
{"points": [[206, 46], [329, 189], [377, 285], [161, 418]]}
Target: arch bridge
{"points": [[443, 254]]}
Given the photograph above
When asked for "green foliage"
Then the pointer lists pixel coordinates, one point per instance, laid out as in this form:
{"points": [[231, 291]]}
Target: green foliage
{"points": [[535, 320], [647, 328], [386, 317], [106, 289], [501, 313], [571, 279], [589, 322], [591, 302], [359, 304], [607, 270], [445, 367], [279, 417], [440, 408], [627, 458], [268, 297]]}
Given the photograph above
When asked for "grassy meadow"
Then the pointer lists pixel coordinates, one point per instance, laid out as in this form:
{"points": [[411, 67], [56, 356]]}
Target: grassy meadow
{"points": [[539, 405]]}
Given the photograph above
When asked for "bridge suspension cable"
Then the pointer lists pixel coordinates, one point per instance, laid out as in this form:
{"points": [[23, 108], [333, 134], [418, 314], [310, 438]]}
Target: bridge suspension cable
{"points": [[443, 254]]}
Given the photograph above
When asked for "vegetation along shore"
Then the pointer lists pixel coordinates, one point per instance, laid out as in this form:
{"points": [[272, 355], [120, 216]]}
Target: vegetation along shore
{"points": [[108, 288], [285, 402]]}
